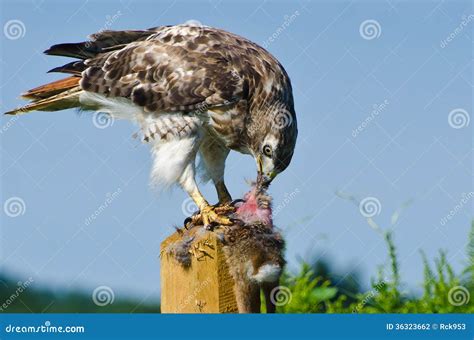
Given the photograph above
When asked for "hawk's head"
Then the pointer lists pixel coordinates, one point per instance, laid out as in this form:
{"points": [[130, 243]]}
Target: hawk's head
{"points": [[274, 143]]}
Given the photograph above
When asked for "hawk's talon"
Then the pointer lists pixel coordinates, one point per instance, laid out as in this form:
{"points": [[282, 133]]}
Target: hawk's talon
{"points": [[187, 220], [238, 200], [225, 209], [210, 215], [211, 226], [237, 221]]}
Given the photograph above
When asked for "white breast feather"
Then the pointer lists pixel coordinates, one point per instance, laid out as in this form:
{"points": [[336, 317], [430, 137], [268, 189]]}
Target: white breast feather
{"points": [[171, 158], [174, 156], [118, 108]]}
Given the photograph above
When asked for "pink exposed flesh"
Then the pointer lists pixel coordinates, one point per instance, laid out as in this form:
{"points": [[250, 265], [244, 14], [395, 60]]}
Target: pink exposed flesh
{"points": [[250, 212]]}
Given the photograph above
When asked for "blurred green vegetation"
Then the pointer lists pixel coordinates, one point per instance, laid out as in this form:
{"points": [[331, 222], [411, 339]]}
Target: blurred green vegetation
{"points": [[314, 289], [24, 297], [444, 291]]}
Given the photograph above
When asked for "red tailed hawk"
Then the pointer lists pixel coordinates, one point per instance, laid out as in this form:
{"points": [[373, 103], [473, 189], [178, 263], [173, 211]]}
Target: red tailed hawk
{"points": [[192, 90]]}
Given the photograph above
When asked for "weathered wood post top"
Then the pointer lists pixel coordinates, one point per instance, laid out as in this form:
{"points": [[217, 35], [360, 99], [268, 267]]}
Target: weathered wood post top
{"points": [[205, 286]]}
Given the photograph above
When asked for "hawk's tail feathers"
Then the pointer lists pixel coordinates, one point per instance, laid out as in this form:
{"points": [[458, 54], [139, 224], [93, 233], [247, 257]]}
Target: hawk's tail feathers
{"points": [[58, 95], [64, 94]]}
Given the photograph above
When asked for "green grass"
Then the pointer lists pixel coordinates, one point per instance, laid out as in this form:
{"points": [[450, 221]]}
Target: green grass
{"points": [[444, 291]]}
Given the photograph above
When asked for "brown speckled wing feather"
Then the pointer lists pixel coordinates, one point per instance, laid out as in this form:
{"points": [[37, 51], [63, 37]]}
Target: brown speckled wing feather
{"points": [[164, 77]]}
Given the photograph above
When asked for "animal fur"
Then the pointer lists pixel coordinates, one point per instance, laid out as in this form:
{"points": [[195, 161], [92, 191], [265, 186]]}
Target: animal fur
{"points": [[254, 256]]}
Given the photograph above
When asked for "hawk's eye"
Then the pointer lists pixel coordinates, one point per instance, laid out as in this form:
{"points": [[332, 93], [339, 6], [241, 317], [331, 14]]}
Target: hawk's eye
{"points": [[267, 151]]}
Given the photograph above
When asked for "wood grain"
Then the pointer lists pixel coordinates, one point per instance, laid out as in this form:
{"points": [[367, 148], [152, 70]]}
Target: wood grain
{"points": [[205, 287]]}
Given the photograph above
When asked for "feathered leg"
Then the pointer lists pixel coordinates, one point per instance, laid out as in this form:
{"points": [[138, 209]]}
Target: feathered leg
{"points": [[208, 215], [174, 162], [213, 156]]}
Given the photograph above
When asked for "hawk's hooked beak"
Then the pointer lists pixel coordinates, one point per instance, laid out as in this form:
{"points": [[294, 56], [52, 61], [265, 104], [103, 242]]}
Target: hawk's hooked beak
{"points": [[263, 180]]}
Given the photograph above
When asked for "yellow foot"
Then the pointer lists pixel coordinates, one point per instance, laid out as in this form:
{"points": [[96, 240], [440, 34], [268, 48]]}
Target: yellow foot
{"points": [[212, 216], [225, 208]]}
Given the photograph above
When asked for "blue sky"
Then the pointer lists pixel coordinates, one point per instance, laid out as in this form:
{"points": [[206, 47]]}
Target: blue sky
{"points": [[383, 94]]}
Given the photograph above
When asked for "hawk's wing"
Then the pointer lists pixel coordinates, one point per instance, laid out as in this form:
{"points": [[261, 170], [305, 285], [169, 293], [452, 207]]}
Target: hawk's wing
{"points": [[164, 69], [163, 78]]}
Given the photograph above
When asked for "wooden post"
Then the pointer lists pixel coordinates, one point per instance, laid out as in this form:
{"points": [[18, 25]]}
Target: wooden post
{"points": [[204, 287]]}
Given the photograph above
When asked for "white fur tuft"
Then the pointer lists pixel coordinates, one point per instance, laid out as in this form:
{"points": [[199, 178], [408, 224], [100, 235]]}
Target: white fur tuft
{"points": [[269, 272]]}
